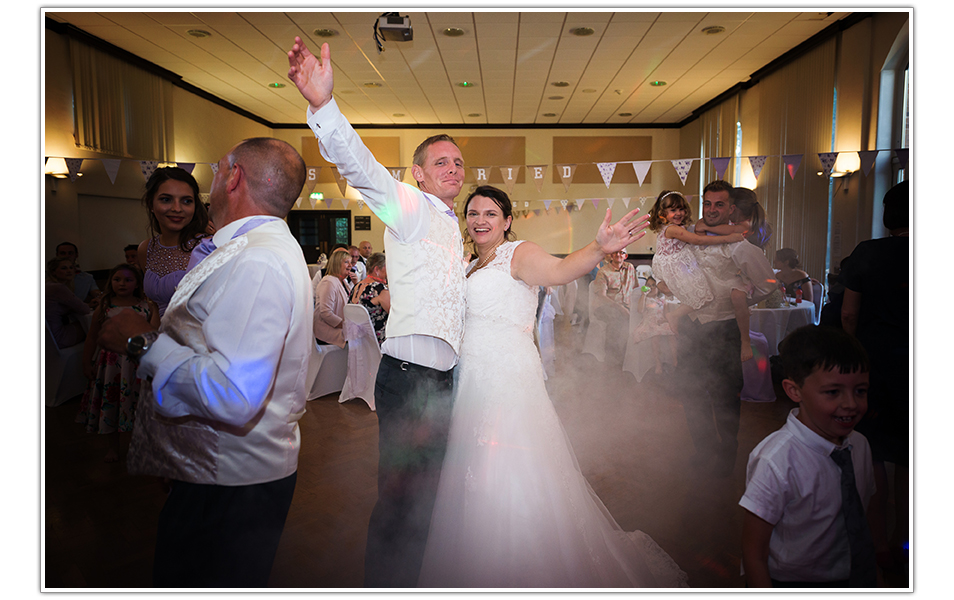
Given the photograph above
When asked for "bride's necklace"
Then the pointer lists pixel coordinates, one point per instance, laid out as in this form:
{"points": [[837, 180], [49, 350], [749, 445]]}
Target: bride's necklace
{"points": [[482, 261]]}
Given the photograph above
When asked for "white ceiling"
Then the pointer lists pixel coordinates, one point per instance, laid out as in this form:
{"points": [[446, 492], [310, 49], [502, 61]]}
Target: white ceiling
{"points": [[513, 57]]}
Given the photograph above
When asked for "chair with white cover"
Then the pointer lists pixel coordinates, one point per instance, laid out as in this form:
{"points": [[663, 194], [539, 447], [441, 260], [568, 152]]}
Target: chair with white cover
{"points": [[364, 355], [818, 296], [64, 371], [327, 369], [644, 271], [640, 356], [594, 342]]}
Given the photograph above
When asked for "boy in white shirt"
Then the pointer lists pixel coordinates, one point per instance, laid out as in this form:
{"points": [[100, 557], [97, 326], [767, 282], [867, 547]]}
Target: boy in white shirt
{"points": [[796, 531]]}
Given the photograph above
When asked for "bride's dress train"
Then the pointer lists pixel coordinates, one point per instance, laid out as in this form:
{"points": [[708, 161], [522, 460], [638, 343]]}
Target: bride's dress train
{"points": [[513, 508]]}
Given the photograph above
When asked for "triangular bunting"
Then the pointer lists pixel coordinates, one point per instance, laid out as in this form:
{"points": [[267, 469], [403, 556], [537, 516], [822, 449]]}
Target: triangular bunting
{"points": [[626, 202], [756, 162], [546, 204], [342, 182], [596, 203], [867, 158], [720, 165], [311, 175], [610, 201], [537, 172], [566, 175], [73, 166], [607, 170], [327, 202], [312, 201], [360, 204], [537, 212], [642, 167], [310, 185], [792, 161], [564, 204], [214, 167], [148, 167], [579, 203], [828, 161], [481, 174], [112, 167], [509, 174], [397, 173], [902, 154], [345, 201], [682, 167], [298, 202], [187, 167]]}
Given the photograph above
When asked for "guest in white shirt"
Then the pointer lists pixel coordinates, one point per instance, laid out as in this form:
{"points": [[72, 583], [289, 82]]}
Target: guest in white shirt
{"points": [[229, 364], [413, 393]]}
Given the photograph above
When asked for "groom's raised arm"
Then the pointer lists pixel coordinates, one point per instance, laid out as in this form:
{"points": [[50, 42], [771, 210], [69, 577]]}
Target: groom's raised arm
{"points": [[398, 205]]}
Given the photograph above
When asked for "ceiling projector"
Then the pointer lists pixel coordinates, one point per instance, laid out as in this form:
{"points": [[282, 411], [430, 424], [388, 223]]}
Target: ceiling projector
{"points": [[395, 28]]}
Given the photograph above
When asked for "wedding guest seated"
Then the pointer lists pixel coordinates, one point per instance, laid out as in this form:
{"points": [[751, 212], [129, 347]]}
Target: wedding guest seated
{"points": [[132, 254], [62, 303], [612, 287], [807, 486], [791, 276], [84, 286], [330, 298], [357, 265], [372, 293]]}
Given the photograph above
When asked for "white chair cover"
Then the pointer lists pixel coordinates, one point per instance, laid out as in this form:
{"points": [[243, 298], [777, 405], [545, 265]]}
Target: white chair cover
{"points": [[545, 337], [818, 293], [565, 299], [64, 371], [757, 372], [639, 358], [644, 271], [327, 370], [364, 355], [595, 340]]}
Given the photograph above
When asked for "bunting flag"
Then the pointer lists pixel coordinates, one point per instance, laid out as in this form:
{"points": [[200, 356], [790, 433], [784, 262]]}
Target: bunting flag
{"points": [[345, 201], [312, 201], [828, 161], [566, 175], [596, 203], [720, 164], [610, 201], [642, 168], [902, 154], [327, 202], [607, 170], [757, 162], [342, 182], [148, 167], [579, 203], [481, 174], [311, 175], [792, 162], [214, 167], [626, 202], [537, 212], [298, 203], [564, 204], [397, 173], [187, 167], [682, 167], [537, 172], [310, 184], [509, 174], [867, 158], [546, 204], [112, 167], [360, 204]]}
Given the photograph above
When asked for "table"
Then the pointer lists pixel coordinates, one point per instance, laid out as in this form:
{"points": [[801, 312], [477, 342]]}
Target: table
{"points": [[776, 323]]}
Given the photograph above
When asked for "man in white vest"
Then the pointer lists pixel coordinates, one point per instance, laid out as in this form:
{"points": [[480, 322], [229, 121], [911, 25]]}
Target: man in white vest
{"points": [[413, 390], [228, 371]]}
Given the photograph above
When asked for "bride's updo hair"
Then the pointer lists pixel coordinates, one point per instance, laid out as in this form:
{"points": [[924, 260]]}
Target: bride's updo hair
{"points": [[501, 199]]}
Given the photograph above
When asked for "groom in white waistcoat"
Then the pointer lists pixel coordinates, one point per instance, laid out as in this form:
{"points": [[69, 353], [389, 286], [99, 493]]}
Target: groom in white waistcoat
{"points": [[227, 378], [413, 389]]}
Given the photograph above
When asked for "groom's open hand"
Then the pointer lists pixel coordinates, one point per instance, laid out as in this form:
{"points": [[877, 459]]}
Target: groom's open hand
{"points": [[312, 75]]}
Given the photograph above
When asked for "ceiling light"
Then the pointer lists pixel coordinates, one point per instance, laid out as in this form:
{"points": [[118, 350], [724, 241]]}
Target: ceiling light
{"points": [[549, 114], [713, 30], [474, 115], [625, 114], [465, 84], [582, 31], [199, 33], [560, 84], [453, 32], [276, 85], [555, 98], [372, 84], [326, 33], [398, 115], [657, 83]]}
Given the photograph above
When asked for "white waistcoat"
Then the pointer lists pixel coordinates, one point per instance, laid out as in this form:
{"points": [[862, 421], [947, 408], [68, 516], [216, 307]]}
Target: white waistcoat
{"points": [[426, 280]]}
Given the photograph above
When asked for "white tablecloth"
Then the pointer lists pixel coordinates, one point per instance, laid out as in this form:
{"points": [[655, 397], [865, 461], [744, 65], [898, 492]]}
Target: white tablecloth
{"points": [[776, 323]]}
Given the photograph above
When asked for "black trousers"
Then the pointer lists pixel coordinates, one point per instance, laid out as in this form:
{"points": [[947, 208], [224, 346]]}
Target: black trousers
{"points": [[710, 388], [413, 405], [220, 536]]}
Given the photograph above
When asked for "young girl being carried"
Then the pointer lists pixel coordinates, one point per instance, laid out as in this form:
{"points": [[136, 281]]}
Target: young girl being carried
{"points": [[109, 403], [675, 263]]}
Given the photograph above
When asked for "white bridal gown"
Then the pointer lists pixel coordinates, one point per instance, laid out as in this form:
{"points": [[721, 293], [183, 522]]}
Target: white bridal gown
{"points": [[513, 508]]}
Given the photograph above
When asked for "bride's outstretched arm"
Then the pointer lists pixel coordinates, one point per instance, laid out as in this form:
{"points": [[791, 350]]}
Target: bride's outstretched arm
{"points": [[534, 266]]}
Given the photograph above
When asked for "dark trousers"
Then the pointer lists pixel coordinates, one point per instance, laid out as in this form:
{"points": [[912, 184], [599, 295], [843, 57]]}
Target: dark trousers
{"points": [[711, 386], [413, 405], [220, 536]]}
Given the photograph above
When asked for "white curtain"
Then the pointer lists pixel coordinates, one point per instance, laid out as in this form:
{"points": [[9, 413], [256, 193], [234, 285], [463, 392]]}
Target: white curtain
{"points": [[118, 108]]}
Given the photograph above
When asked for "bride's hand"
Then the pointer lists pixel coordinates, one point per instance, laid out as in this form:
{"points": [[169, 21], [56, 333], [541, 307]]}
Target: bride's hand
{"points": [[626, 231]]}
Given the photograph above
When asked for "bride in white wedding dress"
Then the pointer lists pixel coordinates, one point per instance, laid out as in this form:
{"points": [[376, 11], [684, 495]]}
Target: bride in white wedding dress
{"points": [[513, 509]]}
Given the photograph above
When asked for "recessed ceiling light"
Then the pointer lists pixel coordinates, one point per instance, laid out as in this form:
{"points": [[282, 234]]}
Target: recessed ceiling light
{"points": [[326, 33], [372, 84], [199, 33], [549, 114], [555, 98], [713, 30], [657, 83], [589, 91], [474, 115], [582, 31], [466, 84], [398, 115], [276, 85], [344, 91], [625, 114], [453, 32], [560, 84]]}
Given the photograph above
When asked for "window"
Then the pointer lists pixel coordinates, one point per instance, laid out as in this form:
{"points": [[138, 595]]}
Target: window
{"points": [[317, 231]]}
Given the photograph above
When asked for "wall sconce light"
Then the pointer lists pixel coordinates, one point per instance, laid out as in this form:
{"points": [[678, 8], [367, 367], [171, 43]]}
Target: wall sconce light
{"points": [[838, 175]]}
